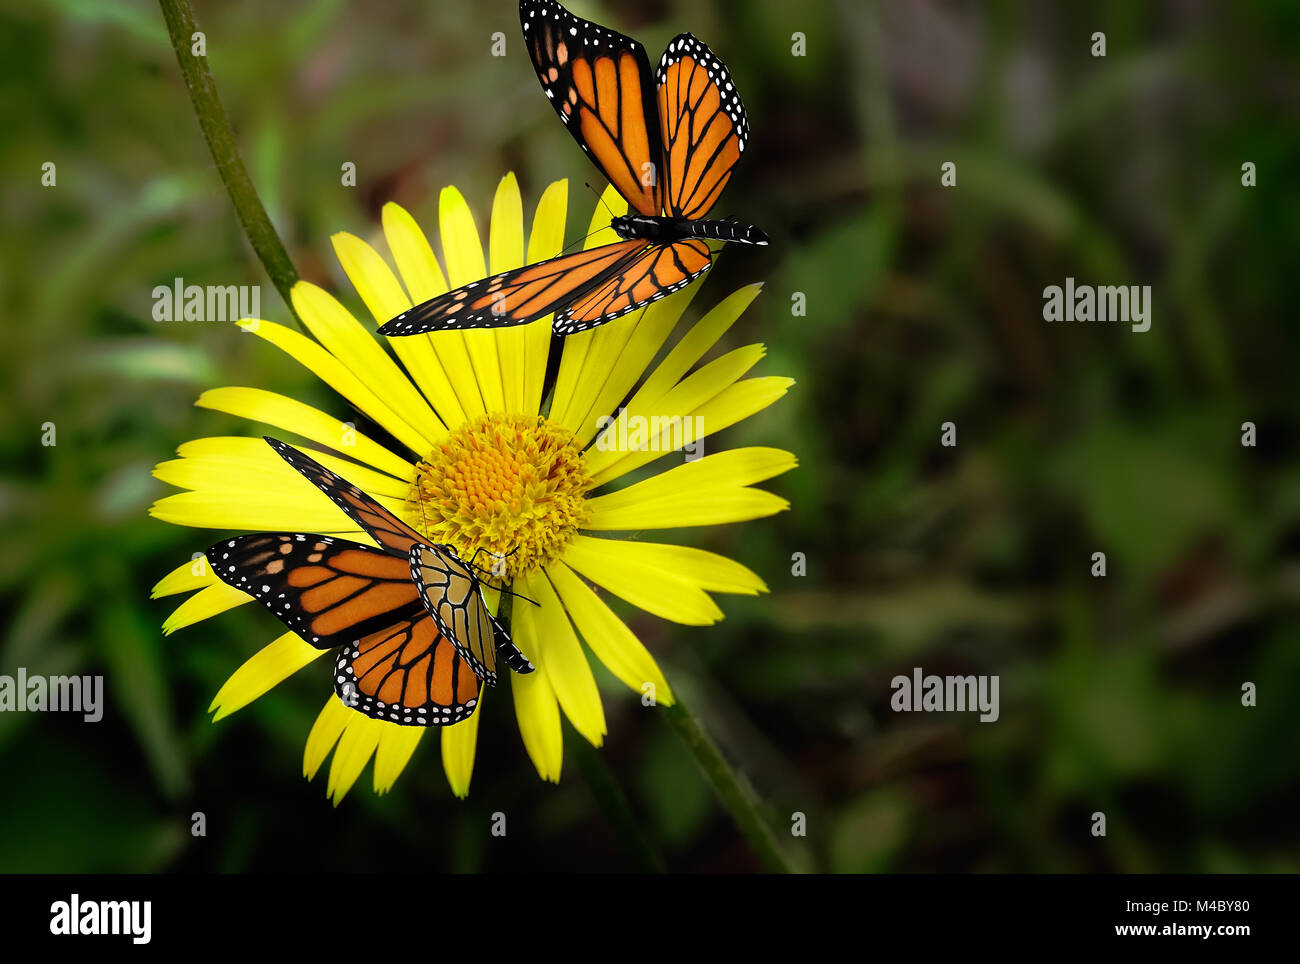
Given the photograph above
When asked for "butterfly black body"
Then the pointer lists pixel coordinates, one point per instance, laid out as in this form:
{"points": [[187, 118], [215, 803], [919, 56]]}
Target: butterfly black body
{"points": [[633, 227]]}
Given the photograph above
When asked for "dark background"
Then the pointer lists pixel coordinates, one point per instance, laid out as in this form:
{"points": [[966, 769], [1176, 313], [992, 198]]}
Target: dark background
{"points": [[1119, 694]]}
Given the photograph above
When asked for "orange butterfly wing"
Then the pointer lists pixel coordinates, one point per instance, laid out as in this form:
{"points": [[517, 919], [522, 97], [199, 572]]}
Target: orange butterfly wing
{"points": [[329, 591], [519, 296], [598, 81], [392, 534], [408, 674], [704, 126], [660, 271]]}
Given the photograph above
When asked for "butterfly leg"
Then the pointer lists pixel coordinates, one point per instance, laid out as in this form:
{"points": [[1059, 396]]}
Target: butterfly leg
{"points": [[508, 592]]}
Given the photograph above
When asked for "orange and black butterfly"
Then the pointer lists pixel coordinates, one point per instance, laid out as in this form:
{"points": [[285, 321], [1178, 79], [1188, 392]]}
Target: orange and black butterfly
{"points": [[413, 629], [667, 146]]}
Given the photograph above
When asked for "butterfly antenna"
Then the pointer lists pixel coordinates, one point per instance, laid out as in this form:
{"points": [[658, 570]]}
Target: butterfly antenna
{"points": [[511, 592], [601, 198], [578, 241], [590, 234], [419, 497]]}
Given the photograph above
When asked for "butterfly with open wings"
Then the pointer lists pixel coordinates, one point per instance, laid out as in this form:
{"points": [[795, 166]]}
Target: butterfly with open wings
{"points": [[414, 632], [668, 145]]}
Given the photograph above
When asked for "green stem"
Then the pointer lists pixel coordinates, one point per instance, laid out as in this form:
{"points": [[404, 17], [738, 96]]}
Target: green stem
{"points": [[733, 791], [612, 801], [212, 117], [609, 796]]}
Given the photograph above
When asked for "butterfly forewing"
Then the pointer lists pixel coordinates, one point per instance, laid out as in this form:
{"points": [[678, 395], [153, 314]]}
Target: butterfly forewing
{"points": [[599, 83], [392, 534], [329, 591], [658, 272], [407, 673], [704, 126], [518, 296]]}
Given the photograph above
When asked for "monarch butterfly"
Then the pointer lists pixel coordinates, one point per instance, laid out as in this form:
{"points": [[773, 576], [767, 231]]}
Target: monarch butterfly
{"points": [[690, 124], [413, 648]]}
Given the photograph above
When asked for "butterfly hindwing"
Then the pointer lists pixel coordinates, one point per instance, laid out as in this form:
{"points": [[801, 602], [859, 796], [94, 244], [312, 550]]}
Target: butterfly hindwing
{"points": [[454, 598], [407, 673], [518, 296], [704, 126], [599, 82], [329, 591], [658, 272]]}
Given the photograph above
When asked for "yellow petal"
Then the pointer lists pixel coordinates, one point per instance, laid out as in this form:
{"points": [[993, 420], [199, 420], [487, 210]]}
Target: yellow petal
{"points": [[210, 474], [459, 742], [610, 639], [729, 469], [356, 746], [204, 604], [707, 491], [704, 334], [383, 295], [267, 668], [187, 577], [506, 240], [546, 241], [356, 348], [610, 206], [413, 254], [606, 392], [564, 663], [292, 415], [461, 249], [463, 253], [449, 376], [664, 593], [604, 345], [325, 732], [695, 509], [396, 745], [370, 275], [252, 511], [222, 455], [674, 413], [535, 706], [547, 237], [506, 251], [700, 386], [733, 404], [699, 567], [337, 376]]}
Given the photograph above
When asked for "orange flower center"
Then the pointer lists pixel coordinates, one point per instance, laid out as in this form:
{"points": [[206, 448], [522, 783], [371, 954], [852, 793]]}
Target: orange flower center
{"points": [[513, 486]]}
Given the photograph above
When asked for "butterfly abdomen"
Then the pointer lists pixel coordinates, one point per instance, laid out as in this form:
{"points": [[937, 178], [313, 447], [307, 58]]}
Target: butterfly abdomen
{"points": [[726, 231], [665, 230]]}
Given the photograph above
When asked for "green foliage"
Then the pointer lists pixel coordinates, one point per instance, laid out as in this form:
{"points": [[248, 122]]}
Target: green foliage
{"points": [[1120, 694]]}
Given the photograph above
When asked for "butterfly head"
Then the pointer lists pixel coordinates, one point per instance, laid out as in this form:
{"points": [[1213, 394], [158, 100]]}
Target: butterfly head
{"points": [[637, 227]]}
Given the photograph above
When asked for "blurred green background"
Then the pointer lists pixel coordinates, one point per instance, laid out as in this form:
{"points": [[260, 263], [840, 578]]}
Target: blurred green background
{"points": [[1119, 694]]}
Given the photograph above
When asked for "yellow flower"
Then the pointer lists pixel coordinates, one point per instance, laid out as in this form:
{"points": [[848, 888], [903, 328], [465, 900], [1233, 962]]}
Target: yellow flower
{"points": [[492, 465]]}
